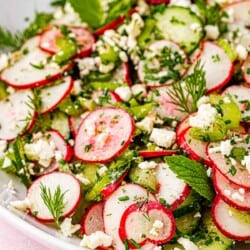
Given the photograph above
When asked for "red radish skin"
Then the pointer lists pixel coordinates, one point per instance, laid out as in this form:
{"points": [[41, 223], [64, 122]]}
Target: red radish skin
{"points": [[122, 74], [157, 153], [22, 75], [52, 96], [68, 184], [195, 148], [218, 161], [17, 114], [114, 24], [108, 130], [214, 59], [170, 188], [109, 189], [227, 223], [246, 70], [113, 97], [157, 46], [114, 209], [92, 220], [139, 218], [83, 37], [226, 189], [182, 126], [156, 2]]}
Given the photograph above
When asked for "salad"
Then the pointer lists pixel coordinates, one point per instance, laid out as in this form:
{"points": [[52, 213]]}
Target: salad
{"points": [[128, 122]]}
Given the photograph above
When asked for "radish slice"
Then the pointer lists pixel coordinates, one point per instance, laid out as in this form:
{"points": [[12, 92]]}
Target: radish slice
{"points": [[75, 123], [214, 59], [116, 204], [69, 186], [182, 126], [17, 114], [156, 2], [240, 177], [232, 194], [52, 96], [196, 148], [92, 220], [32, 69], [104, 134], [240, 11], [84, 39], [172, 190], [149, 221], [230, 221], [241, 96], [155, 49], [122, 74], [166, 109], [110, 95], [157, 153], [246, 70]]}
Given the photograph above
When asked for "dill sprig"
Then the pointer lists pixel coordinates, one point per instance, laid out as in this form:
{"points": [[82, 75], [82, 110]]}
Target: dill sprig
{"points": [[187, 93], [54, 202], [9, 40]]}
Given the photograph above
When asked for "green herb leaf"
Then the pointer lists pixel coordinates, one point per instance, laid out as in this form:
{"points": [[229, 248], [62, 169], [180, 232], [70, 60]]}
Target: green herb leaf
{"points": [[54, 202], [9, 40], [89, 11], [193, 173]]}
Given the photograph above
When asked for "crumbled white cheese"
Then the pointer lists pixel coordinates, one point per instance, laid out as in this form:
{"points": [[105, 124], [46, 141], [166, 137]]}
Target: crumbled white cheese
{"points": [[124, 93], [187, 244], [204, 118], [97, 239], [82, 179], [147, 165], [86, 65], [142, 7], [196, 27], [156, 228], [123, 56], [77, 87], [163, 137], [241, 52], [209, 172], [197, 215], [134, 30], [3, 146], [212, 32], [101, 171], [146, 124], [4, 61], [203, 100], [67, 228], [58, 155], [23, 205], [246, 162], [7, 162], [106, 68], [183, 3], [41, 150], [226, 147]]}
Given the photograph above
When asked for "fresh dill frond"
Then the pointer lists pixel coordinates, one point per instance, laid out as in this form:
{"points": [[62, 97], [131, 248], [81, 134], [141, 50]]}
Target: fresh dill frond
{"points": [[54, 202], [186, 94], [13, 41], [58, 3]]}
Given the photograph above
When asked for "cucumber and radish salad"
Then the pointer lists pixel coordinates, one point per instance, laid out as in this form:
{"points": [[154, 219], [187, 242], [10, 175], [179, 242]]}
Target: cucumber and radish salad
{"points": [[129, 122]]}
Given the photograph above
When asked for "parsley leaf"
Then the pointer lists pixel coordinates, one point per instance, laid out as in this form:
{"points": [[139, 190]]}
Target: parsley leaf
{"points": [[193, 173]]}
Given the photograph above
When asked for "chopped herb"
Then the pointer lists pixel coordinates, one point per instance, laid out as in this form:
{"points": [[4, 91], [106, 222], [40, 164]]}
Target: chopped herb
{"points": [[135, 244], [216, 58], [125, 242], [54, 202], [232, 170], [123, 198], [37, 66], [87, 148]]}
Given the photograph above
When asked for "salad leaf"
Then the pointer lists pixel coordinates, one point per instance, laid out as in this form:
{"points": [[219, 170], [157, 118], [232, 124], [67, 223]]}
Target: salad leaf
{"points": [[89, 11], [193, 173]]}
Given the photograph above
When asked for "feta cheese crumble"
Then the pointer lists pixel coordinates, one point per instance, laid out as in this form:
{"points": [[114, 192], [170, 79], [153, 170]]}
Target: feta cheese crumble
{"points": [[97, 239], [212, 32], [187, 244], [124, 93], [146, 124], [163, 137], [67, 228], [246, 162], [23, 205], [147, 165], [4, 61], [204, 118]]}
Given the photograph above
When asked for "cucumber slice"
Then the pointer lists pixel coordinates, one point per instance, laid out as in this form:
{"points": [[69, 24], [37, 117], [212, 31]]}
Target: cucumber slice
{"points": [[3, 92], [212, 238], [60, 122], [143, 177], [172, 246], [187, 223], [216, 133], [180, 25], [190, 204]]}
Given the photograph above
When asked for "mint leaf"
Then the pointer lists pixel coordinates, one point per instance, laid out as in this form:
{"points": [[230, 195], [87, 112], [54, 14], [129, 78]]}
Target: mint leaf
{"points": [[90, 11], [193, 173]]}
